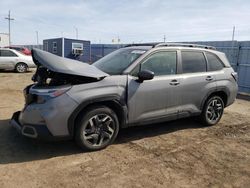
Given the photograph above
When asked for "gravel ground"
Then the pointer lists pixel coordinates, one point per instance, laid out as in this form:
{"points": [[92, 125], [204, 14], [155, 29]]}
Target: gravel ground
{"points": [[174, 154]]}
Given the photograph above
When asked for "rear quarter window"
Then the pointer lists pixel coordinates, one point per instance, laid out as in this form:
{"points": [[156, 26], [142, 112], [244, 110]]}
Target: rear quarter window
{"points": [[214, 63], [193, 62]]}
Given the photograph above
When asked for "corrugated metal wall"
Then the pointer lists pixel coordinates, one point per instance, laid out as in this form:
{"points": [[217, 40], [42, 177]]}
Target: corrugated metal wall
{"points": [[100, 50], [30, 47], [238, 53], [243, 66]]}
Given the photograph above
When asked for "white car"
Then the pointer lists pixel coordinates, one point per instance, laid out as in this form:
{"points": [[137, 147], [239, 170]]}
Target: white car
{"points": [[14, 60]]}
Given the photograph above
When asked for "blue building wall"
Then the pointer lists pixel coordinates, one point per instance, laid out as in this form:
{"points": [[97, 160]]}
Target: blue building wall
{"points": [[100, 50], [238, 54], [243, 66], [85, 57], [50, 46]]}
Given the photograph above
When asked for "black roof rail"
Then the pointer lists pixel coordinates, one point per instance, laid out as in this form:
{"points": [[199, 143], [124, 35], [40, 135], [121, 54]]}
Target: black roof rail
{"points": [[185, 45], [142, 44]]}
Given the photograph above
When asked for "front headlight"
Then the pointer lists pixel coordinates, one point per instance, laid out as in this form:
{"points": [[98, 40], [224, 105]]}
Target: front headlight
{"points": [[43, 95]]}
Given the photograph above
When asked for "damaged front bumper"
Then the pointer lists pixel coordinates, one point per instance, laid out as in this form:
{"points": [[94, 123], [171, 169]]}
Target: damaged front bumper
{"points": [[31, 131]]}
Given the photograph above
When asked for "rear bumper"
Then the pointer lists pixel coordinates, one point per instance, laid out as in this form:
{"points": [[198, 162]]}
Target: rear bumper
{"points": [[33, 131]]}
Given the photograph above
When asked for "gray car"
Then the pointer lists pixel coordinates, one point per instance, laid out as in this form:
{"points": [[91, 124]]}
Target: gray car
{"points": [[13, 60], [135, 85]]}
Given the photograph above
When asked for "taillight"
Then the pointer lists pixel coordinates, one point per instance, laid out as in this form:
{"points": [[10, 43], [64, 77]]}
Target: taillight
{"points": [[235, 76]]}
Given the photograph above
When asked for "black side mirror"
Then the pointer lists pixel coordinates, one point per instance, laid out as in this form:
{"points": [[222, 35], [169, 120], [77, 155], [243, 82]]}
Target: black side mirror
{"points": [[145, 75]]}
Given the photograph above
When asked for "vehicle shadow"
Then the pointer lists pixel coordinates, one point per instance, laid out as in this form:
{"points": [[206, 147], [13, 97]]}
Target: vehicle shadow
{"points": [[15, 148], [139, 132]]}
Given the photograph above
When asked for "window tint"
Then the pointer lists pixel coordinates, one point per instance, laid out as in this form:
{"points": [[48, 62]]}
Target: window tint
{"points": [[161, 63], [7, 53], [213, 62], [193, 62]]}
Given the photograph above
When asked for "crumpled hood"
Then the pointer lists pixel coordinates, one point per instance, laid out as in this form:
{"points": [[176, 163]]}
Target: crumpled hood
{"points": [[65, 65]]}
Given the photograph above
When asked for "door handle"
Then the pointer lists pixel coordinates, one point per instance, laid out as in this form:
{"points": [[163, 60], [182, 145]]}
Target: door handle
{"points": [[209, 78], [174, 82]]}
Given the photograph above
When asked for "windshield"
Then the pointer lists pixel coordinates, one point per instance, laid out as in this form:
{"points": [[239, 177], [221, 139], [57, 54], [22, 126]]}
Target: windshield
{"points": [[116, 62]]}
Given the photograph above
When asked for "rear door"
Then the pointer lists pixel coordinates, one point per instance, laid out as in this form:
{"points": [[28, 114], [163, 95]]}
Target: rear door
{"points": [[196, 82], [8, 59], [154, 99]]}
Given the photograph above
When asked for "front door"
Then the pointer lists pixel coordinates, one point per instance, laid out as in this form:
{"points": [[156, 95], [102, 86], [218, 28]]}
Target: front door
{"points": [[154, 99]]}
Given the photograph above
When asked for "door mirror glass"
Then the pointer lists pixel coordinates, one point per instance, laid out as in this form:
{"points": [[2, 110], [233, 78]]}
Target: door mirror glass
{"points": [[145, 75]]}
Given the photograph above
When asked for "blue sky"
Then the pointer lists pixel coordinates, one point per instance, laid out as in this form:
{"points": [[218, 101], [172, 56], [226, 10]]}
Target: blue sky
{"points": [[132, 20]]}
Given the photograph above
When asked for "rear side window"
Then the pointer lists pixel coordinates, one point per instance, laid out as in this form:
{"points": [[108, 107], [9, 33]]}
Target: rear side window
{"points": [[214, 63], [193, 62], [7, 53], [161, 63]]}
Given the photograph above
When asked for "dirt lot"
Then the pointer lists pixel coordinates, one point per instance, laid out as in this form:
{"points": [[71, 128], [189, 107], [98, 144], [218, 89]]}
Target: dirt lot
{"points": [[175, 154]]}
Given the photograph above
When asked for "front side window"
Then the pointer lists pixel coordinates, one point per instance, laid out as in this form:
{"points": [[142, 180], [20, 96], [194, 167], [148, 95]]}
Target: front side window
{"points": [[161, 63], [7, 53], [116, 62], [193, 62], [214, 63]]}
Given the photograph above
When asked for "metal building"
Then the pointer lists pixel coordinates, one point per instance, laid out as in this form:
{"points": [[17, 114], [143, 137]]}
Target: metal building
{"points": [[4, 39], [69, 48]]}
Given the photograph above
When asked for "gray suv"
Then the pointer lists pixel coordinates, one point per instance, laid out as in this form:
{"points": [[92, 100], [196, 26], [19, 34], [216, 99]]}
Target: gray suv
{"points": [[135, 85]]}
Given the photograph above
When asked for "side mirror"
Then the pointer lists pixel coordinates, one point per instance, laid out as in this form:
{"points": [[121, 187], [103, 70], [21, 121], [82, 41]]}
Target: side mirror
{"points": [[145, 75]]}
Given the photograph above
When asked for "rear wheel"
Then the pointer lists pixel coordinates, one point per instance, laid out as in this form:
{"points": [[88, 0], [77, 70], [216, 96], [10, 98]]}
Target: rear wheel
{"points": [[212, 111], [21, 68], [97, 129]]}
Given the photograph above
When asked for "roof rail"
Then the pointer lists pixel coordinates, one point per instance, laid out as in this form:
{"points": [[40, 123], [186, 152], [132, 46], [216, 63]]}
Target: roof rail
{"points": [[185, 45], [142, 44]]}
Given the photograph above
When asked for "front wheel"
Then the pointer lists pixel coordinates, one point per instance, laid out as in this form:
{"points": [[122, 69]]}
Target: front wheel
{"points": [[21, 68], [212, 111], [97, 129]]}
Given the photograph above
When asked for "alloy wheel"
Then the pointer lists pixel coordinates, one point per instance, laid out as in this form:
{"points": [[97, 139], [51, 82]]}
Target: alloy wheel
{"points": [[214, 110], [99, 130], [21, 68]]}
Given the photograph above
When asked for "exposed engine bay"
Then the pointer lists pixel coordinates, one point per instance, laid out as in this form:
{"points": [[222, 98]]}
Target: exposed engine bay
{"points": [[46, 77]]}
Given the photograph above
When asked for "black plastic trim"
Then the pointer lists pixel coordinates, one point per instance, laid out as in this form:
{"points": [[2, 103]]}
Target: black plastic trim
{"points": [[111, 98], [220, 89], [42, 131]]}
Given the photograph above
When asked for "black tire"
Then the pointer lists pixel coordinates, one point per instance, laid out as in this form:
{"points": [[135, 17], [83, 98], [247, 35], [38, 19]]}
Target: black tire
{"points": [[97, 129], [212, 111], [21, 68]]}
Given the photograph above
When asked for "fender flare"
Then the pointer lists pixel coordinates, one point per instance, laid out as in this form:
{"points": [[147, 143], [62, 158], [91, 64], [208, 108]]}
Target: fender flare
{"points": [[95, 100], [218, 89]]}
